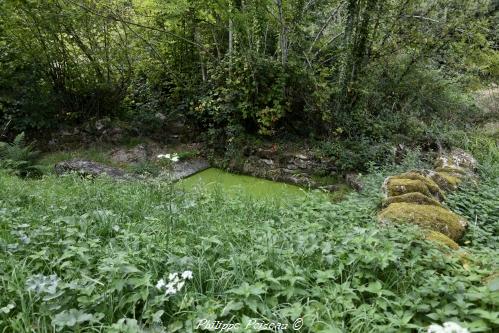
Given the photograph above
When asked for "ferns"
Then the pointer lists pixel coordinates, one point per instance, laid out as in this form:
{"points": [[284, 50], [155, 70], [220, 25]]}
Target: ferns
{"points": [[19, 158]]}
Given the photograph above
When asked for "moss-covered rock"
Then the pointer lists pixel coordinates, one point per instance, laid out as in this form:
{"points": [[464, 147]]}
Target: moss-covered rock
{"points": [[398, 186], [440, 238], [413, 197], [457, 158], [451, 179], [444, 181], [433, 187], [453, 249], [426, 216], [457, 171]]}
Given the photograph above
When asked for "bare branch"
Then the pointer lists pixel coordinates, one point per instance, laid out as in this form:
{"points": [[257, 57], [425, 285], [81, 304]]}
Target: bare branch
{"points": [[114, 17], [321, 31], [422, 18]]}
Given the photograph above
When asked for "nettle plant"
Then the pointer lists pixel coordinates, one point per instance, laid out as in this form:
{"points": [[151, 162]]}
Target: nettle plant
{"points": [[141, 257]]}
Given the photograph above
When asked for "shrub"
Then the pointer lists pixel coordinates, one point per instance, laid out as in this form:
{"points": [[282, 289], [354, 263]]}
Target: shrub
{"points": [[357, 155], [260, 96], [147, 106], [412, 104]]}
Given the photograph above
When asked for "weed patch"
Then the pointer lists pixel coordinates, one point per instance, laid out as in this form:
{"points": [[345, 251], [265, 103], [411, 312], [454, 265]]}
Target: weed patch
{"points": [[86, 256]]}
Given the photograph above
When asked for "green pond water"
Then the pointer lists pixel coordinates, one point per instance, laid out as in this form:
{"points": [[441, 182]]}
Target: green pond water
{"points": [[213, 179]]}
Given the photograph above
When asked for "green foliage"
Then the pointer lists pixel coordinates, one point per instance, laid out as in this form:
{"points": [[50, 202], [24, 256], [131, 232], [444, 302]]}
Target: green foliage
{"points": [[148, 105], [373, 68], [185, 155], [19, 158], [360, 155], [257, 94], [79, 255], [60, 61], [479, 204], [146, 168], [26, 103], [483, 147]]}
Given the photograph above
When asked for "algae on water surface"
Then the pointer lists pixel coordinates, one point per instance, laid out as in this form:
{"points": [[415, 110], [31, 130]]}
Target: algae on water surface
{"points": [[246, 185]]}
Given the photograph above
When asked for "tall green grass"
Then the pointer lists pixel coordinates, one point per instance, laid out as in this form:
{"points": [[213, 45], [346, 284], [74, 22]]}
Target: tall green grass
{"points": [[85, 256]]}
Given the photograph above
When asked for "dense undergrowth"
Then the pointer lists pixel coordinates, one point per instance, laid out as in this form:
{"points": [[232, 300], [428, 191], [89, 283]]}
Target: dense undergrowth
{"points": [[359, 73], [86, 255], [357, 82]]}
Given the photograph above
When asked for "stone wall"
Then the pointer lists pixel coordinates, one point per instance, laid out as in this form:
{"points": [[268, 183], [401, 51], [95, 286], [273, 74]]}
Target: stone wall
{"points": [[418, 197], [300, 168]]}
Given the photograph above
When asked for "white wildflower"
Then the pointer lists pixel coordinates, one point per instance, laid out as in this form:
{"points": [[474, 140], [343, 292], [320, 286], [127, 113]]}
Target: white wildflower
{"points": [[161, 283], [448, 327], [180, 285], [187, 275], [172, 157], [434, 328], [452, 327], [8, 308], [170, 289], [176, 282]]}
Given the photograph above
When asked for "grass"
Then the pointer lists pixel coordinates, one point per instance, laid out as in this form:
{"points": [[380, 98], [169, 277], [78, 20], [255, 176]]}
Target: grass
{"points": [[85, 256], [81, 255]]}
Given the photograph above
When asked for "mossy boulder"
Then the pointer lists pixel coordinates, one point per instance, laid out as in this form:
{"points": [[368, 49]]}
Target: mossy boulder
{"points": [[413, 197], [445, 181], [399, 185], [451, 180], [447, 243], [429, 217], [457, 171], [440, 238], [457, 158], [433, 187], [437, 179]]}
